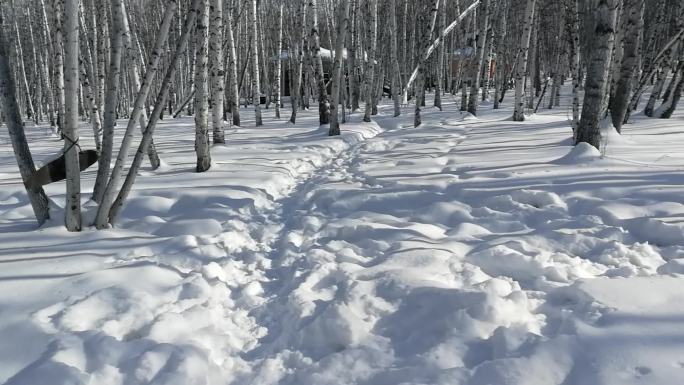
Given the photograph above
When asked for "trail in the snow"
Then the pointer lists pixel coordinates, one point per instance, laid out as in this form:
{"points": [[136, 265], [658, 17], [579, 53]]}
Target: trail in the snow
{"points": [[314, 296]]}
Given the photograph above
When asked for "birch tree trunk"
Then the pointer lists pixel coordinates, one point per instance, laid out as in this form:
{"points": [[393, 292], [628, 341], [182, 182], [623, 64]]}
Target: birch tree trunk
{"points": [[110, 102], [102, 219], [297, 47], [22, 70], [234, 89], [428, 27], [323, 104], [633, 25], [279, 62], [479, 58], [440, 57], [342, 32], [521, 63], [217, 70], [58, 45], [202, 89], [394, 60], [596, 85], [574, 43], [72, 208], [12, 117], [371, 36], [669, 105], [132, 55], [255, 65], [156, 112]]}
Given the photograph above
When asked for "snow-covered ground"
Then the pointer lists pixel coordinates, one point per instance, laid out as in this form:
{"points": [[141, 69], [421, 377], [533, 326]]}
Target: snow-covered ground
{"points": [[467, 251]]}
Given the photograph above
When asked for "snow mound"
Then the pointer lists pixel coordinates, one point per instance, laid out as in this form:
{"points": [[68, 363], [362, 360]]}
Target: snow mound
{"points": [[581, 153]]}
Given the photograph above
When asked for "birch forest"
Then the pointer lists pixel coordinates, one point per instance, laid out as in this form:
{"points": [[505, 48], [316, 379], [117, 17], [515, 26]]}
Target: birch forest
{"points": [[338, 192], [70, 62]]}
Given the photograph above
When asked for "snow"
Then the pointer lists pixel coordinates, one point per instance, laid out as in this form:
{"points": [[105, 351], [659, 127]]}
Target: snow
{"points": [[470, 250]]}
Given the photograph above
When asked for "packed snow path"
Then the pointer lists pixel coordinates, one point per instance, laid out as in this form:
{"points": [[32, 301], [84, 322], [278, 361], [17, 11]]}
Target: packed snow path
{"points": [[463, 252]]}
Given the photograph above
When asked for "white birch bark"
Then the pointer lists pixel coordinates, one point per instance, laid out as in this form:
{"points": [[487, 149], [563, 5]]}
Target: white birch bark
{"points": [[217, 71], [156, 112], [58, 45], [522, 62], [102, 218], [439, 86], [428, 27], [473, 99], [234, 86], [394, 59], [596, 84], [623, 89], [72, 208], [256, 92], [12, 117], [279, 62], [371, 35], [202, 89], [315, 41], [337, 78], [110, 102]]}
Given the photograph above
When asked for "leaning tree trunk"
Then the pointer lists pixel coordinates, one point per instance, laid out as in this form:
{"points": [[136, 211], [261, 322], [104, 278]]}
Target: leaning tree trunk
{"points": [[596, 85], [102, 219], [202, 89], [342, 32], [134, 76], [156, 112], [633, 25], [12, 116], [110, 101], [72, 219], [521, 63]]}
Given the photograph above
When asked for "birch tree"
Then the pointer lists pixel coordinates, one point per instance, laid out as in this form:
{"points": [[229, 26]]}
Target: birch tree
{"points": [[72, 208], [371, 45], [521, 63], [256, 92], [428, 27], [279, 62], [478, 62], [323, 104], [102, 219], [202, 90], [634, 22], [110, 100], [342, 32], [12, 117], [160, 102], [596, 84], [217, 70]]}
